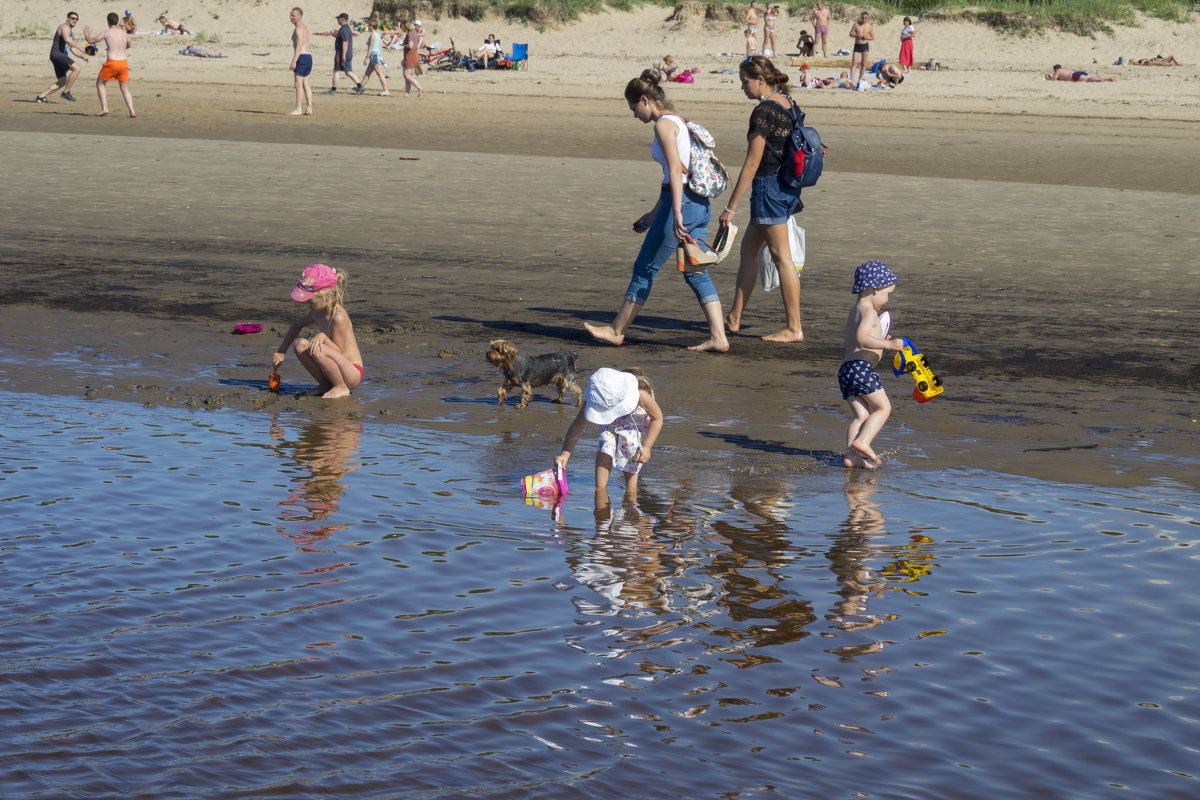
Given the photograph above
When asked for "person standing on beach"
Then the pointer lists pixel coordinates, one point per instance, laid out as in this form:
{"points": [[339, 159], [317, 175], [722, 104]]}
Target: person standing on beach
{"points": [[865, 342], [374, 58], [752, 29], [343, 52], [863, 33], [129, 24], [679, 213], [820, 21], [414, 40], [116, 64], [769, 30], [65, 69], [771, 203], [301, 66], [906, 45]]}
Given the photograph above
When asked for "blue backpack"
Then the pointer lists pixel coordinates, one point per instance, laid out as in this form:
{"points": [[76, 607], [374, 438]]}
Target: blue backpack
{"points": [[803, 155]]}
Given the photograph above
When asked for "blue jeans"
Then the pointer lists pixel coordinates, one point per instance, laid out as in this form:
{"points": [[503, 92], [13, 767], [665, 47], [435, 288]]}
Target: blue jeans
{"points": [[660, 244]]}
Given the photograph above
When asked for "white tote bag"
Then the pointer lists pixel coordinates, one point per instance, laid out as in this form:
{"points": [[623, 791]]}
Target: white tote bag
{"points": [[768, 275]]}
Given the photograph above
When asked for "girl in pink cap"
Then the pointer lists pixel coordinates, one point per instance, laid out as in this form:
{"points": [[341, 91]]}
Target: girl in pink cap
{"points": [[332, 356], [623, 405]]}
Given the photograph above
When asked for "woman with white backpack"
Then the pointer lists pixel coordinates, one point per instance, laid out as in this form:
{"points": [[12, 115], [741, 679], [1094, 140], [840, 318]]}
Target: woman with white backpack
{"points": [[680, 213]]}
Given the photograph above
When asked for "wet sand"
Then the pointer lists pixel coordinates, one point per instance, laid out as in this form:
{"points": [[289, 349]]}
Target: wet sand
{"points": [[1048, 275]]}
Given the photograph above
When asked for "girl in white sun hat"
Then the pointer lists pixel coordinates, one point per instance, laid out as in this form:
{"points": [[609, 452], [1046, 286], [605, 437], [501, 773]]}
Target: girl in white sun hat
{"points": [[623, 405]]}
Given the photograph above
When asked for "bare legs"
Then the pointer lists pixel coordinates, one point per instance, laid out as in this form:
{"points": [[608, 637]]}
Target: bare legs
{"points": [[102, 93], [870, 412], [65, 83], [615, 333], [303, 97], [334, 373], [410, 80], [776, 239]]}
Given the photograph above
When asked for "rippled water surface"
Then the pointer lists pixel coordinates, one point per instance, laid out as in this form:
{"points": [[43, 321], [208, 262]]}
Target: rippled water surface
{"points": [[218, 604]]}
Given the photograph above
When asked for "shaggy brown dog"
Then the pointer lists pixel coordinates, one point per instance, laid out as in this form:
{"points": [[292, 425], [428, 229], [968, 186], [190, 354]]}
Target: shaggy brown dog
{"points": [[527, 372]]}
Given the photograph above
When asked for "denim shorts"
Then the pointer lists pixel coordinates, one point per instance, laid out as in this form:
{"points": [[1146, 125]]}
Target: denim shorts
{"points": [[770, 202], [660, 243]]}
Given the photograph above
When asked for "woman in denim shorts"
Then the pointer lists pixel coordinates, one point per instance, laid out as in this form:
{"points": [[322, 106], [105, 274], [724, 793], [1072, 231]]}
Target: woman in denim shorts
{"points": [[679, 212], [771, 203]]}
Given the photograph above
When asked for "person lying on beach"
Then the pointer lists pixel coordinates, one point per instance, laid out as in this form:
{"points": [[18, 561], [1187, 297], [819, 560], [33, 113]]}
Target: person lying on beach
{"points": [[840, 82], [1060, 73], [199, 52], [1159, 61], [173, 28]]}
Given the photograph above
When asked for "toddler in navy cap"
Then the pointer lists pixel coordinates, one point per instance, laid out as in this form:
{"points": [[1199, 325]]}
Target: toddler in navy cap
{"points": [[867, 329]]}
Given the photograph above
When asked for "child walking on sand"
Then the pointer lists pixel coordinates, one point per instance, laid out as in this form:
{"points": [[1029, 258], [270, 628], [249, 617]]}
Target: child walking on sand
{"points": [[332, 356], [865, 342], [623, 405]]}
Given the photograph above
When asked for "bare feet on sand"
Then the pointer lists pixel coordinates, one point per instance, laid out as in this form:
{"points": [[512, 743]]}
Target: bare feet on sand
{"points": [[336, 392], [103, 113], [605, 333], [732, 325], [711, 346], [786, 336]]}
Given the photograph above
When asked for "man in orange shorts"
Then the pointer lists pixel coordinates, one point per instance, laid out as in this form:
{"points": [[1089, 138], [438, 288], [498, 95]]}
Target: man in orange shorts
{"points": [[116, 64]]}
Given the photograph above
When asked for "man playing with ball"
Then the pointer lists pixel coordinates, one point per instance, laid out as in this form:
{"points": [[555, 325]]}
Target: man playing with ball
{"points": [[65, 69]]}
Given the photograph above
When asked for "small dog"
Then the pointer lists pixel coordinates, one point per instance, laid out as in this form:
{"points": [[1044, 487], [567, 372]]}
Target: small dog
{"points": [[527, 372]]}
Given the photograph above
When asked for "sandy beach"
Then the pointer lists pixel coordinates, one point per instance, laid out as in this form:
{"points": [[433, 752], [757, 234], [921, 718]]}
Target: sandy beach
{"points": [[1045, 233]]}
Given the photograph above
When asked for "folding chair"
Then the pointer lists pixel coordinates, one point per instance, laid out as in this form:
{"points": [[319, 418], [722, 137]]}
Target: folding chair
{"points": [[519, 57]]}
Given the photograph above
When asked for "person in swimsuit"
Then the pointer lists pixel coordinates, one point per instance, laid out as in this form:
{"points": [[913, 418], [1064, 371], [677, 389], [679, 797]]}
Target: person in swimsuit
{"points": [[820, 20], [173, 28], [301, 65], [865, 342], [374, 58], [769, 30], [1159, 61], [752, 29], [863, 33], [65, 69], [129, 23], [1060, 73], [332, 356], [805, 44], [116, 64]]}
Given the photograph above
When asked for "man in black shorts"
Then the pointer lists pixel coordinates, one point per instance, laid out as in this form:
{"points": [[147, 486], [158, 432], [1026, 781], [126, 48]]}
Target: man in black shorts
{"points": [[863, 33], [65, 69]]}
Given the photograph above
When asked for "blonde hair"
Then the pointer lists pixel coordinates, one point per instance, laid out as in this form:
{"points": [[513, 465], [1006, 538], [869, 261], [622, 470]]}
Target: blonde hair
{"points": [[644, 383], [336, 293]]}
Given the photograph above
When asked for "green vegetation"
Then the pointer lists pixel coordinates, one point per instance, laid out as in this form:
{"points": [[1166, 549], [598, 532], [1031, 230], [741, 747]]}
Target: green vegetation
{"points": [[1015, 16], [30, 30], [207, 38]]}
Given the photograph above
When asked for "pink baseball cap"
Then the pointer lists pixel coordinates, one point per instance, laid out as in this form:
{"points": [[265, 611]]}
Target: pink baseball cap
{"points": [[316, 278]]}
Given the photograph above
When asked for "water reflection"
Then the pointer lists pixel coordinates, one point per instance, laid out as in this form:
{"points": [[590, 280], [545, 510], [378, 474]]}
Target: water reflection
{"points": [[858, 543], [323, 453]]}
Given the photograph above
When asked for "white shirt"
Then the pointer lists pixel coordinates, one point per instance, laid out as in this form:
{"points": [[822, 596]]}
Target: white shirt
{"points": [[683, 144]]}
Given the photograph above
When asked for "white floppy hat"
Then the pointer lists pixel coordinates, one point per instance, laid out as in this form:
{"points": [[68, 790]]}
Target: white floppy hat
{"points": [[610, 394], [417, 22]]}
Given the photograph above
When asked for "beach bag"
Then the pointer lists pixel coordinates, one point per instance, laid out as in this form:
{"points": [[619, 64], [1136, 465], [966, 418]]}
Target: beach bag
{"points": [[768, 273], [706, 176], [803, 155]]}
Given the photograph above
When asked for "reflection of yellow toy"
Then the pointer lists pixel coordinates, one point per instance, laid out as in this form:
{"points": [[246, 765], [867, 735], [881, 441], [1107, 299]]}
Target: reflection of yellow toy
{"points": [[912, 361]]}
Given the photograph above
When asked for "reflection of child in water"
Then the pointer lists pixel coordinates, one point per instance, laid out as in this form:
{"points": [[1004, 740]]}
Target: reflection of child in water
{"points": [[623, 405], [865, 343], [332, 356]]}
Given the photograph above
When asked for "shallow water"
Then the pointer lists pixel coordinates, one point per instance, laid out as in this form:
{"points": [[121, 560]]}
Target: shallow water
{"points": [[239, 605]]}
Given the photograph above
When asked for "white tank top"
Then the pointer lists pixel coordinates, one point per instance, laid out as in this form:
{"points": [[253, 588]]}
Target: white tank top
{"points": [[683, 144]]}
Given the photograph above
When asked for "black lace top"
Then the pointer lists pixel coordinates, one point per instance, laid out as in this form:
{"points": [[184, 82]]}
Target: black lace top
{"points": [[774, 123]]}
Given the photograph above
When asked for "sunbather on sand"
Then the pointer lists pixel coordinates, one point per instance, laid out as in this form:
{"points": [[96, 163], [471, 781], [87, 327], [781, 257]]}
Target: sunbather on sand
{"points": [[1159, 61], [1060, 73]]}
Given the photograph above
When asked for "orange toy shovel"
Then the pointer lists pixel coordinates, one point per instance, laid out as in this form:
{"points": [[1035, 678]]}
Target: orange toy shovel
{"points": [[273, 380]]}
